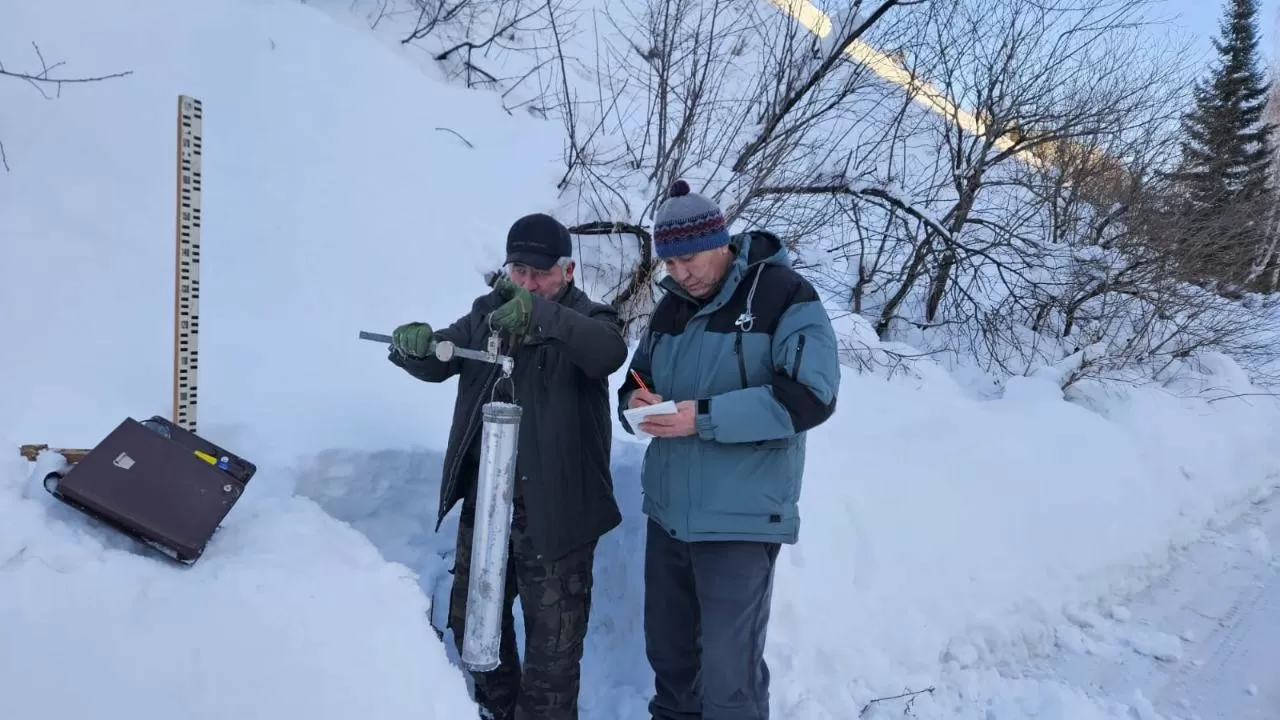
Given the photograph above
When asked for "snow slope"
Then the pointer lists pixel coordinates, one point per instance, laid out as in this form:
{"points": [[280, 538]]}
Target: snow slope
{"points": [[944, 536], [332, 204]]}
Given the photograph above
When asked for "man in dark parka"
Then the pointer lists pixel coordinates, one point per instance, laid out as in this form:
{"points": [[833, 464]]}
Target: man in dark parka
{"points": [[565, 347]]}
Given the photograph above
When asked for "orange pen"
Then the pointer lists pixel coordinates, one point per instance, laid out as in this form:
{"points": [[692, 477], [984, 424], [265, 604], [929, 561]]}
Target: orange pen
{"points": [[643, 387]]}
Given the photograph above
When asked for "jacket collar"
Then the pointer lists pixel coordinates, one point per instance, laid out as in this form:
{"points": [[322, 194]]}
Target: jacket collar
{"points": [[753, 250], [566, 294]]}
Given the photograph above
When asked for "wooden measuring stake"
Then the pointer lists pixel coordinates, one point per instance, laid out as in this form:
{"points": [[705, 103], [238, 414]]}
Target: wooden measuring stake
{"points": [[186, 340]]}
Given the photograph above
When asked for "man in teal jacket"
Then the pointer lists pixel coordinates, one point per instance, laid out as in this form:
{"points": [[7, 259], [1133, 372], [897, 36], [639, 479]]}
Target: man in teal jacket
{"points": [[742, 344]]}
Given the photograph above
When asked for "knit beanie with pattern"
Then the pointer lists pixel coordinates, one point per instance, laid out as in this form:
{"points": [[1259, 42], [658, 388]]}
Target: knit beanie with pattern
{"points": [[687, 223]]}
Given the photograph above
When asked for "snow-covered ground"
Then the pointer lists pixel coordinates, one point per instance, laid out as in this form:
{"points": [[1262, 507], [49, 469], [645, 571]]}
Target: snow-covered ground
{"points": [[293, 615], [1201, 642], [972, 546]]}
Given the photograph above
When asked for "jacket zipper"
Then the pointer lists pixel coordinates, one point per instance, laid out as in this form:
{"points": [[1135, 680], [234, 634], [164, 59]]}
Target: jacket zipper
{"points": [[742, 363], [795, 368]]}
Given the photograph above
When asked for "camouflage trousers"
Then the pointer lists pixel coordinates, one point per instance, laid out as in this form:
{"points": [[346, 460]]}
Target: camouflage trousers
{"points": [[556, 601]]}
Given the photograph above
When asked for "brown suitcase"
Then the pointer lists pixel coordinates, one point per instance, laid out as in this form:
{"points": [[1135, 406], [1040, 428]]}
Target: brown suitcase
{"points": [[149, 480]]}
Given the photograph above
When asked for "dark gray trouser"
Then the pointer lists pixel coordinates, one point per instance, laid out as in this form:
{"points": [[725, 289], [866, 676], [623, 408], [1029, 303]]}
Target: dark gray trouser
{"points": [[706, 611]]}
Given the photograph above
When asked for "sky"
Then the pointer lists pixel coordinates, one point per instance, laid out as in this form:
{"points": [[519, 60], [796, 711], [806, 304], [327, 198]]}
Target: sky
{"points": [[1197, 21]]}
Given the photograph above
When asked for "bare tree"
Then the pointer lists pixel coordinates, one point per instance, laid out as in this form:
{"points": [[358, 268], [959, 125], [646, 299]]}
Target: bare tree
{"points": [[988, 238], [1112, 300], [743, 101], [1027, 226], [984, 173], [514, 47], [1032, 76], [44, 81]]}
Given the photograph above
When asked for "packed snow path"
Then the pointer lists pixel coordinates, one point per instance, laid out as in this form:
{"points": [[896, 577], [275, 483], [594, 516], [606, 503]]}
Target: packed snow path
{"points": [[1202, 642]]}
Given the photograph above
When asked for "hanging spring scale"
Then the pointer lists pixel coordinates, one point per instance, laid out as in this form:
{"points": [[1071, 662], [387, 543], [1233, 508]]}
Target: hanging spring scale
{"points": [[493, 349]]}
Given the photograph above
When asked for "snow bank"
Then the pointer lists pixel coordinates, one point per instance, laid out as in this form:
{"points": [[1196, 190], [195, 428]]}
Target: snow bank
{"points": [[290, 614], [337, 198], [938, 527]]}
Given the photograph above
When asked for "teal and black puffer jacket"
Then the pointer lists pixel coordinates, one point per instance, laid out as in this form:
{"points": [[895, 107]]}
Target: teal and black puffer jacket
{"points": [[760, 360]]}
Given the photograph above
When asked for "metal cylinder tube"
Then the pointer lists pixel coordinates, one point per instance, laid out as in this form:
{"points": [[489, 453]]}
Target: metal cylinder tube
{"points": [[482, 637]]}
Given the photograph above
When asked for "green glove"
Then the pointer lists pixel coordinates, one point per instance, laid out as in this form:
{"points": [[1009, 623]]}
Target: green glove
{"points": [[513, 315], [413, 339], [507, 288]]}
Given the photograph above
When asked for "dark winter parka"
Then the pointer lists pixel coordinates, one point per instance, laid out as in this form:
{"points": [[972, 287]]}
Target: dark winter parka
{"points": [[561, 375]]}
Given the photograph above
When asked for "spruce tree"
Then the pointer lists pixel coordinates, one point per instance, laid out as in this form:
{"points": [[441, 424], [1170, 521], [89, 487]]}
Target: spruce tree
{"points": [[1225, 175]]}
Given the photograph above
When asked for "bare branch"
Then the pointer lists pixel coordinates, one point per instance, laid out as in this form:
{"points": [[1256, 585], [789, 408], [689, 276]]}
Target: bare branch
{"points": [[912, 694], [793, 98], [498, 33], [456, 134], [42, 79]]}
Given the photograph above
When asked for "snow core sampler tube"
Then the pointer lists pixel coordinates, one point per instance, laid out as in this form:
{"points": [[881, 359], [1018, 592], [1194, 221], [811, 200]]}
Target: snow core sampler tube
{"points": [[482, 637]]}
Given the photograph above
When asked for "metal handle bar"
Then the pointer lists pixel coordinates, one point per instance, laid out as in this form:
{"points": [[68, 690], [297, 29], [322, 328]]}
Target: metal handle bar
{"points": [[445, 351]]}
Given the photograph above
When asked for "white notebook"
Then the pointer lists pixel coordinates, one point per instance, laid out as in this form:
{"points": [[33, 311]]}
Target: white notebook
{"points": [[635, 416]]}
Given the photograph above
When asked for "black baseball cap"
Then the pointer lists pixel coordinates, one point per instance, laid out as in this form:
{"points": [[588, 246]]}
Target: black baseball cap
{"points": [[538, 240]]}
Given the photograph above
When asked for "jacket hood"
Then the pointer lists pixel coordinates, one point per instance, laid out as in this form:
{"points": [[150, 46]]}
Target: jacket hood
{"points": [[761, 247]]}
